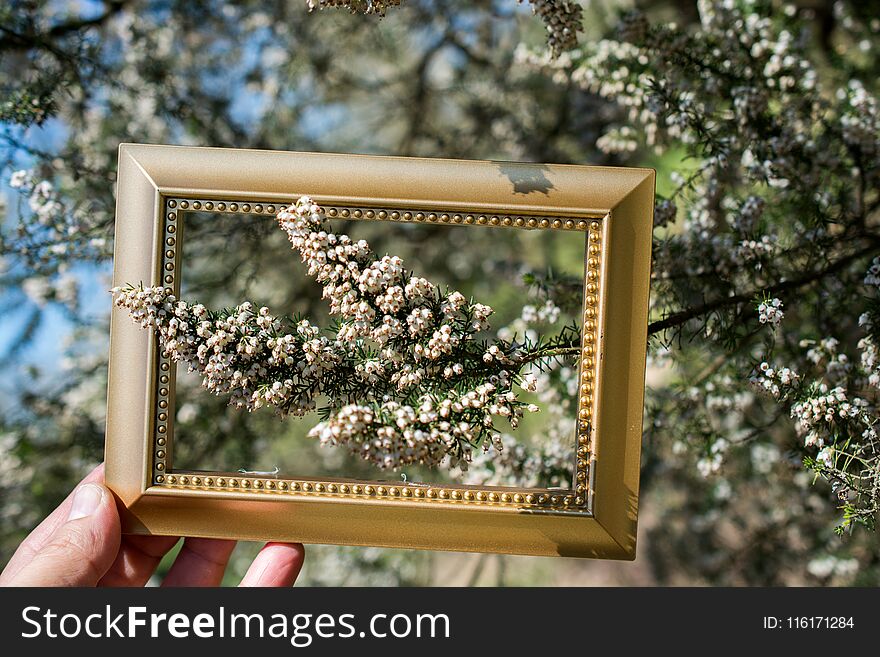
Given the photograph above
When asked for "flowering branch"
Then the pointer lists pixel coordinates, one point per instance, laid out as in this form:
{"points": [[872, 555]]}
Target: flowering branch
{"points": [[561, 18], [378, 7], [406, 376], [836, 412], [680, 317]]}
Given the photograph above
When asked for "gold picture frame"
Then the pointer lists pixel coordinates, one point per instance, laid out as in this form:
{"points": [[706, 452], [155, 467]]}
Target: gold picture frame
{"points": [[597, 517]]}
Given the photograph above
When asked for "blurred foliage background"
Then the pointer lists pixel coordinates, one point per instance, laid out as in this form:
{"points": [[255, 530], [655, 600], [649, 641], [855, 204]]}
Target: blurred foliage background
{"points": [[433, 78]]}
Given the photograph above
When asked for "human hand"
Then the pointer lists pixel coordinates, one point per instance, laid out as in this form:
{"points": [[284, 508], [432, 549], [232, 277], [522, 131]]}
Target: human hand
{"points": [[81, 544]]}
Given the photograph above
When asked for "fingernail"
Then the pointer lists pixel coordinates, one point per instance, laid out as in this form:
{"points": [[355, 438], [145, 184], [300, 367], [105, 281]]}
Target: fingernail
{"points": [[85, 501]]}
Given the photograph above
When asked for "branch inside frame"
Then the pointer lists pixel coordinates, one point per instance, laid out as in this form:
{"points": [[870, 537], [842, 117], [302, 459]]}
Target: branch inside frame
{"points": [[407, 371]]}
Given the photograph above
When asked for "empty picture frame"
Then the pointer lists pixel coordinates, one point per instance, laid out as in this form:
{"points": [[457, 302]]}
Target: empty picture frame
{"points": [[610, 208]]}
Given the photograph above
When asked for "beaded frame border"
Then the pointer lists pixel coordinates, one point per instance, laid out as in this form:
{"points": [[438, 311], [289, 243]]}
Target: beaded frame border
{"points": [[595, 517], [574, 499]]}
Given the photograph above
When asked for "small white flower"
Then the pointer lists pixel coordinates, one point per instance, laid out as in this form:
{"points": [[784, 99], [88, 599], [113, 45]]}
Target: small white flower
{"points": [[770, 312], [20, 179], [826, 456], [530, 383]]}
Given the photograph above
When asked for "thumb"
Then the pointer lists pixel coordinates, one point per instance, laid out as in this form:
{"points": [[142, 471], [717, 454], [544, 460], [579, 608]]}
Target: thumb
{"points": [[81, 550]]}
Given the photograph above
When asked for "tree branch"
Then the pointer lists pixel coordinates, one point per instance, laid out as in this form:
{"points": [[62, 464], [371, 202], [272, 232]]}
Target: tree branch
{"points": [[683, 316], [25, 41], [551, 352]]}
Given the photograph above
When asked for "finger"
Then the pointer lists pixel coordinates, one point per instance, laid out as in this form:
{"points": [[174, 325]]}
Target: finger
{"points": [[277, 564], [201, 562], [137, 560], [43, 532], [82, 549]]}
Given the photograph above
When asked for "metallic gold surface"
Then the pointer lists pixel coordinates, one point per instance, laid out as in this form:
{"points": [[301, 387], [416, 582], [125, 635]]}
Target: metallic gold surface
{"points": [[596, 517]]}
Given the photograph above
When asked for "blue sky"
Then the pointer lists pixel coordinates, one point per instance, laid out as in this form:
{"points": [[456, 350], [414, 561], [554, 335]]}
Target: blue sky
{"points": [[47, 347]]}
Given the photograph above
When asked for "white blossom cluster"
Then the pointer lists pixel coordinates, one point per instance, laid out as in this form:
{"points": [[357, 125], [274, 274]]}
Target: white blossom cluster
{"points": [[51, 233], [836, 414], [824, 407], [618, 140], [407, 380], [825, 354], [830, 566], [711, 462], [712, 424], [524, 327], [826, 456], [770, 379], [378, 7], [42, 197], [548, 463], [816, 406], [562, 18], [770, 312], [393, 435]]}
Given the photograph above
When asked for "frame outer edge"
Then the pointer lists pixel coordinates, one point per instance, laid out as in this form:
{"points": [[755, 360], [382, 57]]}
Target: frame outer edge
{"points": [[129, 398], [627, 269]]}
